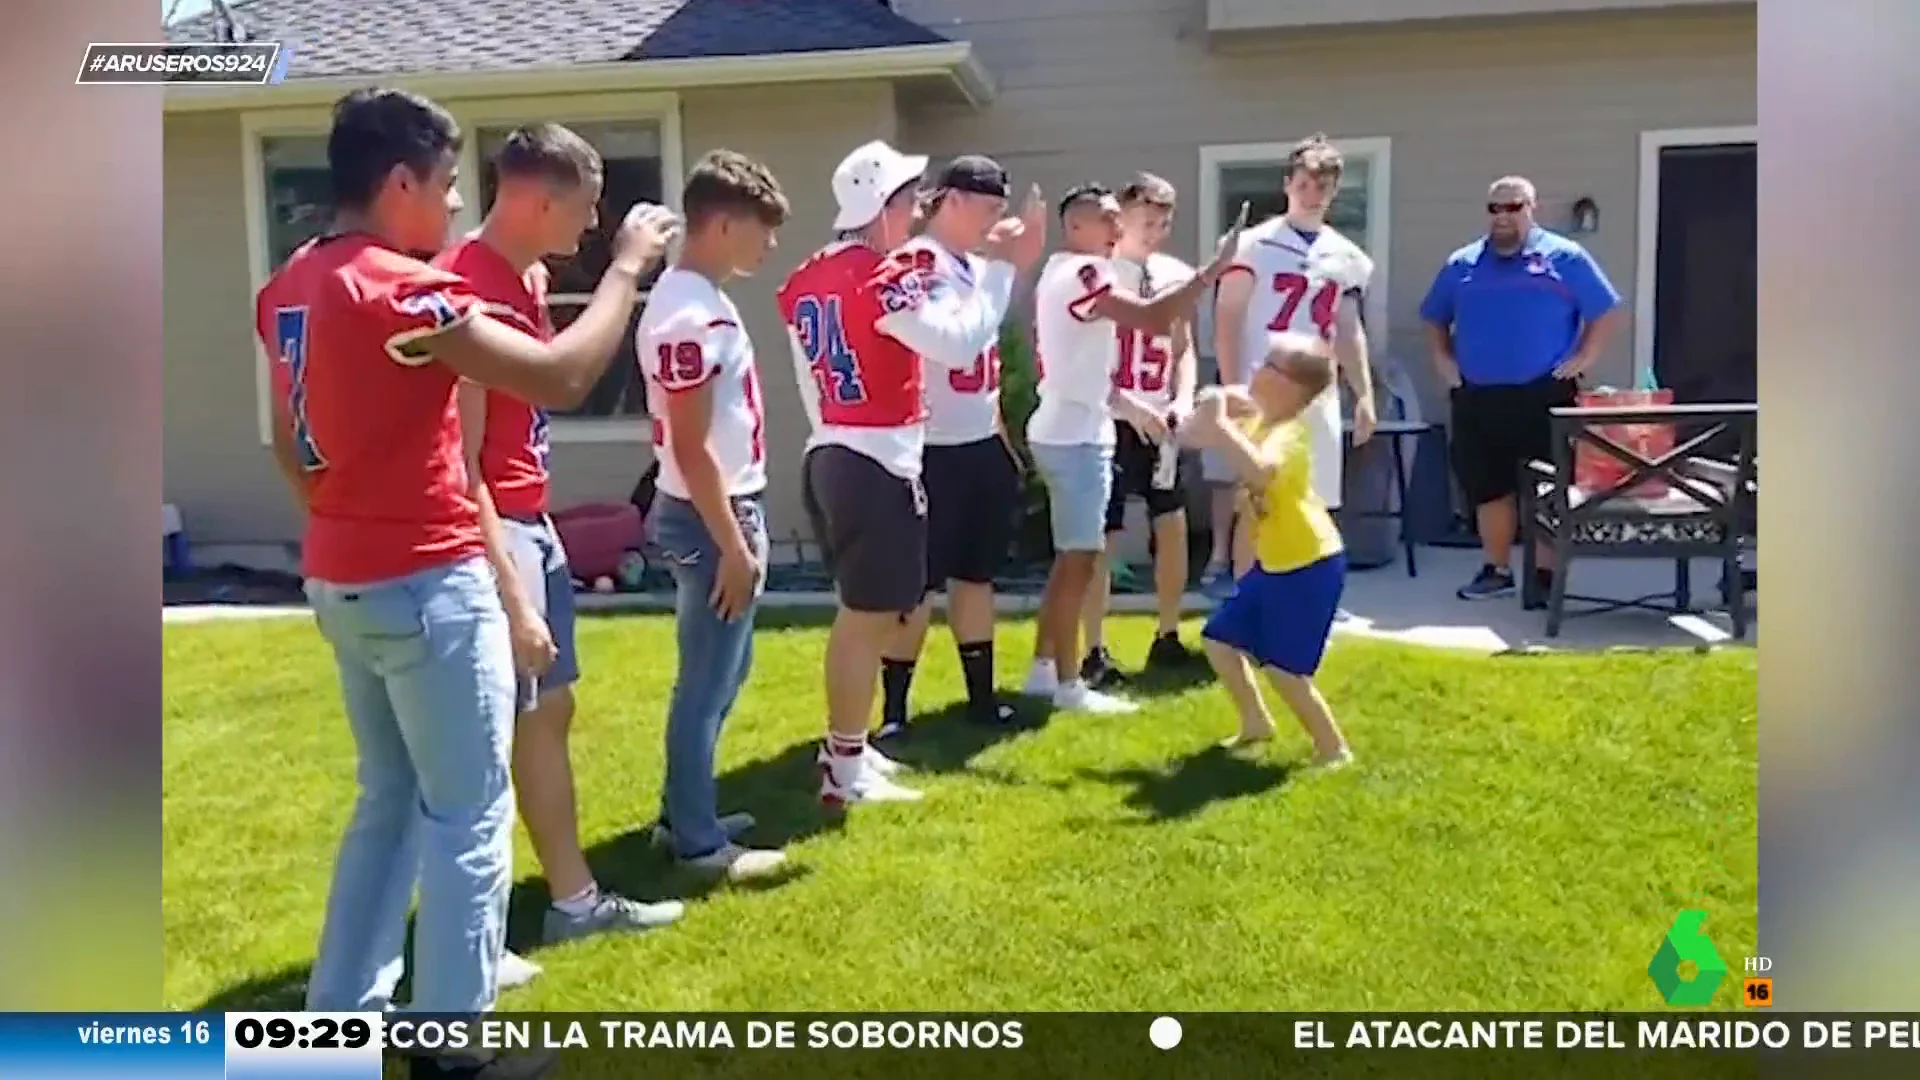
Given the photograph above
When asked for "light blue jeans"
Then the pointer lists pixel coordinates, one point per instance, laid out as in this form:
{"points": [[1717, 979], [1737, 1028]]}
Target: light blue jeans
{"points": [[1079, 479], [715, 656], [426, 668]]}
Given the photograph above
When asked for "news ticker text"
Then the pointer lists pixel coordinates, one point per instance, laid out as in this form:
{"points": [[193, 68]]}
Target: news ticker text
{"points": [[238, 1046], [245, 63]]}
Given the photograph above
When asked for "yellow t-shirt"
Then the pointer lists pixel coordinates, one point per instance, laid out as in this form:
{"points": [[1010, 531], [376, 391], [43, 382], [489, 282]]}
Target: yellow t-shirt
{"points": [[1293, 528]]}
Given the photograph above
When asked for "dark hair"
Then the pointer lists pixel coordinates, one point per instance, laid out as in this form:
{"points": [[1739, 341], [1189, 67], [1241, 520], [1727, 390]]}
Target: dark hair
{"points": [[548, 152], [1317, 156], [1082, 193], [376, 129], [1148, 190], [733, 185]]}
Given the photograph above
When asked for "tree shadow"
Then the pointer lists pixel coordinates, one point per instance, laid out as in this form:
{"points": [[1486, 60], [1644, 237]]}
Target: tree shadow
{"points": [[1194, 783]]}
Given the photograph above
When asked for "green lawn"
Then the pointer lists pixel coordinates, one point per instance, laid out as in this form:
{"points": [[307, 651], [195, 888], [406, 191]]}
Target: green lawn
{"points": [[1518, 834]]}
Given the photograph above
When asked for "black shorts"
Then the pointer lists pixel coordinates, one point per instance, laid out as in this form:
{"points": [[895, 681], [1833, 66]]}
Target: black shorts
{"points": [[1498, 429], [1133, 462], [871, 526], [973, 493]]}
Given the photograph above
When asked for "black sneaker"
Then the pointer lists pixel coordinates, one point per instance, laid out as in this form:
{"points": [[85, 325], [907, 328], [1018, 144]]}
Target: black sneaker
{"points": [[1000, 714], [896, 729], [1098, 671], [1168, 651], [1490, 583], [451, 1067]]}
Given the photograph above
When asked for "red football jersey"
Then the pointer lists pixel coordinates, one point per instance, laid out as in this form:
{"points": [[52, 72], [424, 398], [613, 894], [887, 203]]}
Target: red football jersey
{"points": [[277, 319], [866, 378], [514, 444], [379, 416]]}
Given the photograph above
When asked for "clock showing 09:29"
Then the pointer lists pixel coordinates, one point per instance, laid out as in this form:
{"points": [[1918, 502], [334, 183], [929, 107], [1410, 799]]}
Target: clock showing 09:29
{"points": [[309, 1045]]}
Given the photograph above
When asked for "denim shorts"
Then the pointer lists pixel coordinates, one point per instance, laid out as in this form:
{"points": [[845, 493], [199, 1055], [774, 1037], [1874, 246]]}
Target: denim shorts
{"points": [[1079, 481], [542, 565]]}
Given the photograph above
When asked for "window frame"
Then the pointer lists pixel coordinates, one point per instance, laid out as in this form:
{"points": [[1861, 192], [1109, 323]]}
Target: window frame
{"points": [[1379, 153], [256, 126]]}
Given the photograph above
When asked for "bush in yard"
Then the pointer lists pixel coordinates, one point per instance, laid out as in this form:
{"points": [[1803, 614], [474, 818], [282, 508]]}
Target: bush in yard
{"points": [[1019, 395]]}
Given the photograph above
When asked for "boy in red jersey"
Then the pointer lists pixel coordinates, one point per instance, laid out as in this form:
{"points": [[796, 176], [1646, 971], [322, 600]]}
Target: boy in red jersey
{"points": [[709, 518], [549, 183], [862, 326], [397, 553]]}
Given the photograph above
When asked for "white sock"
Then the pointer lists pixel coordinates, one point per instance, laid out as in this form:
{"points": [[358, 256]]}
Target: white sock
{"points": [[1043, 672], [580, 903], [844, 754]]}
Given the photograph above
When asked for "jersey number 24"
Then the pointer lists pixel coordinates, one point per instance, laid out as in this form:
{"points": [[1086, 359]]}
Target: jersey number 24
{"points": [[823, 339]]}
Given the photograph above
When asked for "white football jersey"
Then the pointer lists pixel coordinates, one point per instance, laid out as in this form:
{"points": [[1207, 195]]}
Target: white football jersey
{"points": [[1145, 365], [691, 335], [1299, 283], [963, 405], [1076, 352]]}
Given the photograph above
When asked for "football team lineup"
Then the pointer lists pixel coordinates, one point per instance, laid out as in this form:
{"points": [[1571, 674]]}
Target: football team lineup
{"points": [[414, 375]]}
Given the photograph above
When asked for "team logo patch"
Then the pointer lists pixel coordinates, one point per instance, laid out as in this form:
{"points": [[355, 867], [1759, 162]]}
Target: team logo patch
{"points": [[1090, 275], [1537, 263]]}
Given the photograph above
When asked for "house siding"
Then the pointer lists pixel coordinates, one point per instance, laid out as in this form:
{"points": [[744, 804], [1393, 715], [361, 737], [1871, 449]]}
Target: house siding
{"points": [[224, 480], [1096, 89]]}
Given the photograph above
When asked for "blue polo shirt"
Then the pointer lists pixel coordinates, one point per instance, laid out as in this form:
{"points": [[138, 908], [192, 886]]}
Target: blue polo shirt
{"points": [[1515, 317]]}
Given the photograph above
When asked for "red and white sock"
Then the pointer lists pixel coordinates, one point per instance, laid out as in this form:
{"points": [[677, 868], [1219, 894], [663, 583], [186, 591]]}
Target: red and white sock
{"points": [[843, 757]]}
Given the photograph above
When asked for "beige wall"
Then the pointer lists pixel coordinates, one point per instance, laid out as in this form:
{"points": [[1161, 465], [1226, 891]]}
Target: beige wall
{"points": [[221, 476], [1095, 89], [1088, 89]]}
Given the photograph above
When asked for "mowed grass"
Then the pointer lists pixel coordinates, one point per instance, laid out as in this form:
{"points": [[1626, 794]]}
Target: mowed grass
{"points": [[1518, 834]]}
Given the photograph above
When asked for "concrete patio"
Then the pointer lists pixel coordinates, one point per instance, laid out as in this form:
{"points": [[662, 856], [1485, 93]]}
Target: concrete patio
{"points": [[1385, 603]]}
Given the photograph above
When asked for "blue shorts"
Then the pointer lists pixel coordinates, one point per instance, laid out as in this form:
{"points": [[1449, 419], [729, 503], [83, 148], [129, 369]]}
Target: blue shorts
{"points": [[1282, 620], [542, 564], [1079, 480]]}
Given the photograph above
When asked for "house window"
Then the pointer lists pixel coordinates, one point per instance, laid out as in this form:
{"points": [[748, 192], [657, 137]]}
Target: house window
{"points": [[298, 190], [1231, 175], [631, 152]]}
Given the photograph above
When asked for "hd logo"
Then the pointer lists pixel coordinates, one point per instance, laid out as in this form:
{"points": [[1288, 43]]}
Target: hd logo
{"points": [[1684, 942]]}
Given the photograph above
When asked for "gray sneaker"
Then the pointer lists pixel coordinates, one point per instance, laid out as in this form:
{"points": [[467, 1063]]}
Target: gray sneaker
{"points": [[734, 825], [1491, 583], [613, 913]]}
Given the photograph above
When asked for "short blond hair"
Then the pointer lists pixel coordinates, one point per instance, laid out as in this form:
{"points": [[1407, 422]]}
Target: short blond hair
{"points": [[1149, 190], [1305, 361]]}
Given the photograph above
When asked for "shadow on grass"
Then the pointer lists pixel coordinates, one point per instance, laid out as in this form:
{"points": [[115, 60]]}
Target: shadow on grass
{"points": [[1194, 783], [781, 792], [946, 741], [1158, 682]]}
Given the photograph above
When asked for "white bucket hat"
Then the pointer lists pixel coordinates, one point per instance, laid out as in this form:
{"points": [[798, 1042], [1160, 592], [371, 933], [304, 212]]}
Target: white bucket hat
{"points": [[868, 178]]}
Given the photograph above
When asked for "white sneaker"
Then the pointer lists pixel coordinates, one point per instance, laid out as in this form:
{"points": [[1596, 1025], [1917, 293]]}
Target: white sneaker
{"points": [[1077, 696], [740, 864], [868, 787], [872, 759], [1043, 681], [516, 971]]}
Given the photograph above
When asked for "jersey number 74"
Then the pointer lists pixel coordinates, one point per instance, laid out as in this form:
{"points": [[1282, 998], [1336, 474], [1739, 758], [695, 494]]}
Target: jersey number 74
{"points": [[823, 340], [1324, 309]]}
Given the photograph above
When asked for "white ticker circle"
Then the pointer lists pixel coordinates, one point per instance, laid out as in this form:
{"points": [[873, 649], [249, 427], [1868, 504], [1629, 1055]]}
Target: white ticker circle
{"points": [[1164, 1032]]}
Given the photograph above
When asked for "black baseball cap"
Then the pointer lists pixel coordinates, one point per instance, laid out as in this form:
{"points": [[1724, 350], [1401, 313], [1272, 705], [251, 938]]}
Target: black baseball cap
{"points": [[975, 173]]}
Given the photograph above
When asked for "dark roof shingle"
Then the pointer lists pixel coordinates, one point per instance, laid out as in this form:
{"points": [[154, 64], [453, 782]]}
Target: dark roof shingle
{"points": [[383, 37]]}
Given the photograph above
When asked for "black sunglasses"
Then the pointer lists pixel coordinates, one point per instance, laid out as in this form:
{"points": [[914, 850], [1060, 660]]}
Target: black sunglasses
{"points": [[1505, 207]]}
